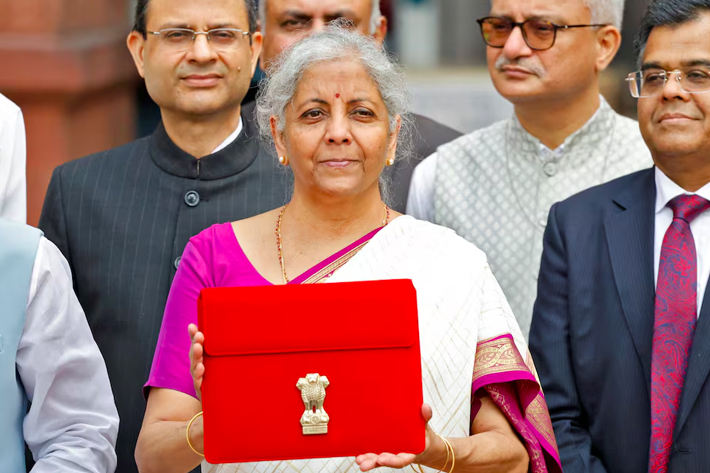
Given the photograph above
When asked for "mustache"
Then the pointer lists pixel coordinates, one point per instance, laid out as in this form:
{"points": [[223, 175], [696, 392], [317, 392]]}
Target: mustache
{"points": [[526, 63]]}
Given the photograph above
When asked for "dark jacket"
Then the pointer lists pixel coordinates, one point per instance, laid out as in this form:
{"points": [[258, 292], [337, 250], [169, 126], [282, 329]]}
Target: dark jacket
{"points": [[592, 333], [122, 218], [428, 135]]}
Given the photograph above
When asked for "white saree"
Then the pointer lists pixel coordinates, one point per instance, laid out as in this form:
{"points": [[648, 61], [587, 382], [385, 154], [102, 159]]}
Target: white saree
{"points": [[460, 304]]}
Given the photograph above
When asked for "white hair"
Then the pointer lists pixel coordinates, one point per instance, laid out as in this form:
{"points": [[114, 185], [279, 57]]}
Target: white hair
{"points": [[606, 11], [336, 42], [375, 15]]}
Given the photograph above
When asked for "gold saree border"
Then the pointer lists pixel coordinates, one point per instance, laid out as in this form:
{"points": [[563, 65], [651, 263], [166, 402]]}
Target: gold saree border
{"points": [[495, 356], [327, 271], [500, 355]]}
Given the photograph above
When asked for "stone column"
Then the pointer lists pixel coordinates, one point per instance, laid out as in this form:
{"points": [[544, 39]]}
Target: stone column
{"points": [[461, 43], [614, 85], [65, 64], [417, 32]]}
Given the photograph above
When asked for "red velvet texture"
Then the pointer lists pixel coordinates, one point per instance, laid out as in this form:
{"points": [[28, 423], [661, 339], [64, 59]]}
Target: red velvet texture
{"points": [[363, 336]]}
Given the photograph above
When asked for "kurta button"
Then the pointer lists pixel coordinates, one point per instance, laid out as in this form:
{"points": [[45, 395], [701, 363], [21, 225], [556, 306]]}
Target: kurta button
{"points": [[550, 169], [192, 198], [176, 263]]}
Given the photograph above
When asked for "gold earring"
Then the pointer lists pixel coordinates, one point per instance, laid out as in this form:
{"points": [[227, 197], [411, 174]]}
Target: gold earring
{"points": [[390, 161]]}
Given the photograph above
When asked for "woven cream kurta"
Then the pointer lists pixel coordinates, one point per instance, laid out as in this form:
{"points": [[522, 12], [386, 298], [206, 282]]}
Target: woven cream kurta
{"points": [[495, 187], [459, 304]]}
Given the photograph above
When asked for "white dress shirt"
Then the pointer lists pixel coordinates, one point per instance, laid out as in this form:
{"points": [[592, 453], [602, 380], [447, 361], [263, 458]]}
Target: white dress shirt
{"points": [[72, 423], [228, 141], [667, 190], [13, 156]]}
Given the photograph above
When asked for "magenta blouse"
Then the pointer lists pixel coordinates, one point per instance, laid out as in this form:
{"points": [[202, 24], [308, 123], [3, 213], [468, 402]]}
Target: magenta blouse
{"points": [[213, 258]]}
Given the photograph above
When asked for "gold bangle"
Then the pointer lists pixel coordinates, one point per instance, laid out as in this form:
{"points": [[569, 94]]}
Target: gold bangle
{"points": [[449, 455], [187, 433], [449, 448]]}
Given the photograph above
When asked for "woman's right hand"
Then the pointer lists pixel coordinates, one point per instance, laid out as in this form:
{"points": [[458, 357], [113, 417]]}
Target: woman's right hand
{"points": [[197, 367]]}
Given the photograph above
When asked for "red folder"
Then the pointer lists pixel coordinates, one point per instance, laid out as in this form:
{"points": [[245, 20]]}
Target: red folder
{"points": [[260, 342]]}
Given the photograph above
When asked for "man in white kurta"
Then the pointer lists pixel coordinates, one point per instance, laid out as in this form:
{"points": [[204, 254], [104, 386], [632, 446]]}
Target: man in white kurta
{"points": [[495, 186], [13, 188], [48, 358]]}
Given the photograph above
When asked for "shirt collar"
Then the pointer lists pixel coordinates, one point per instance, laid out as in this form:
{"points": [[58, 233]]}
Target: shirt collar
{"points": [[230, 138], [667, 190], [547, 154], [228, 161], [529, 144]]}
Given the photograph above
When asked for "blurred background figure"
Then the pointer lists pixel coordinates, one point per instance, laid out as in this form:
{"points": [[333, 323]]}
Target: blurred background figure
{"points": [[13, 188], [495, 186]]}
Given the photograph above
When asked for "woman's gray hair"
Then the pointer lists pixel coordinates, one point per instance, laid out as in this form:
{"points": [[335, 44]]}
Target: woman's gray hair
{"points": [[334, 43]]}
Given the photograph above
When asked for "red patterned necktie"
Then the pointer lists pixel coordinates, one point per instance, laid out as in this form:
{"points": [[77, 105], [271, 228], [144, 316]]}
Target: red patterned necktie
{"points": [[674, 323]]}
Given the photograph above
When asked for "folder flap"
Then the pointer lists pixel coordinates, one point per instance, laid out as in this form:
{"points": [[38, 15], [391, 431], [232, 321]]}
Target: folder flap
{"points": [[307, 318]]}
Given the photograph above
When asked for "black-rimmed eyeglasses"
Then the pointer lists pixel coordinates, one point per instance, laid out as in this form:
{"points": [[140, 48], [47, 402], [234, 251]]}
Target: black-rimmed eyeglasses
{"points": [[539, 35]]}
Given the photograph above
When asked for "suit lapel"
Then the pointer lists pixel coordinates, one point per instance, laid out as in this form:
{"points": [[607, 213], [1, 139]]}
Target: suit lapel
{"points": [[698, 363], [630, 232]]}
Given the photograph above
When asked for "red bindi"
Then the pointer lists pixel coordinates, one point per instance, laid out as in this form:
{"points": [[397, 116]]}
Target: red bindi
{"points": [[337, 96]]}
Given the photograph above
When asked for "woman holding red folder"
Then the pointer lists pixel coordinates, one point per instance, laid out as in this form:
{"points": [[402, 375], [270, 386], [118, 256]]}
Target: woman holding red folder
{"points": [[336, 108]]}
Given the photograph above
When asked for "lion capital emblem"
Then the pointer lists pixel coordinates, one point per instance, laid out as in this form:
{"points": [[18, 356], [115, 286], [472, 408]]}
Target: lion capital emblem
{"points": [[314, 419]]}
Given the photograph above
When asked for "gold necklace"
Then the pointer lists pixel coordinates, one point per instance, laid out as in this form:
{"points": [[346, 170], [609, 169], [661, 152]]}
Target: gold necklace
{"points": [[279, 245]]}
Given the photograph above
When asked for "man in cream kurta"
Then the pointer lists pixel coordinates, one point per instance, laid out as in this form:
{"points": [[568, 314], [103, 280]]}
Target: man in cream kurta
{"points": [[495, 186]]}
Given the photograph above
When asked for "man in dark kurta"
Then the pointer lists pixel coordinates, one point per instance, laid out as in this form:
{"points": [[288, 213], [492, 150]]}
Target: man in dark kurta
{"points": [[122, 217]]}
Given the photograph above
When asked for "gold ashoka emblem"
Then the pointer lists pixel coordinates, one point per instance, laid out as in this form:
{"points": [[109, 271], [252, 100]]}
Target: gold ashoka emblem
{"points": [[314, 419]]}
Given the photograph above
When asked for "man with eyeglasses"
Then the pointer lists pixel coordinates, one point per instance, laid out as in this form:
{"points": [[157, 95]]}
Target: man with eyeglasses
{"points": [[495, 186], [122, 217], [621, 327], [284, 22]]}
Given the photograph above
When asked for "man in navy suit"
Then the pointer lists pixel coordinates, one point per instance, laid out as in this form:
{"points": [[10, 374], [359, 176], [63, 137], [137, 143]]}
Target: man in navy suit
{"points": [[620, 333]]}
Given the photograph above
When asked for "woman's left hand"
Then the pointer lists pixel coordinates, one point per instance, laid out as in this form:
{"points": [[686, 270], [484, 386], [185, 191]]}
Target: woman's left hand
{"points": [[430, 454]]}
